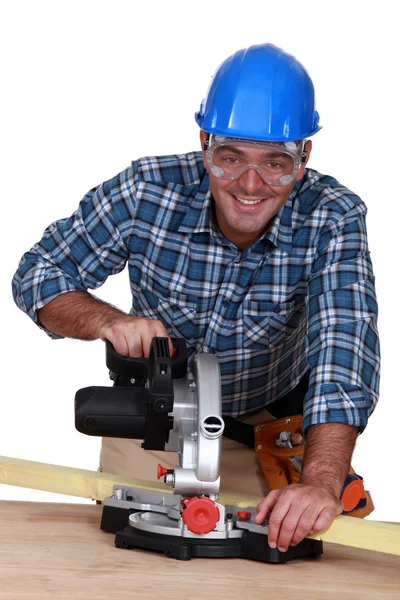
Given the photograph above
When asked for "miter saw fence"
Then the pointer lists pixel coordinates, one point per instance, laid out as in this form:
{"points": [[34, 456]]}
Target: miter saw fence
{"points": [[178, 410]]}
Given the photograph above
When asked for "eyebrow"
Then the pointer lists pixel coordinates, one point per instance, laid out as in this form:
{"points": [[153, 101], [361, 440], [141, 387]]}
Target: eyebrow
{"points": [[235, 150], [231, 149]]}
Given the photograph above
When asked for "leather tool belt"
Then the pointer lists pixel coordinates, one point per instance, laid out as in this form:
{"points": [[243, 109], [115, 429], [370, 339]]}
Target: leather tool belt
{"points": [[282, 466]]}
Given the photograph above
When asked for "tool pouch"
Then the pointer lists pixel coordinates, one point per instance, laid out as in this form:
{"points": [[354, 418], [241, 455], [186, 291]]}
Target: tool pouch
{"points": [[282, 466], [275, 462]]}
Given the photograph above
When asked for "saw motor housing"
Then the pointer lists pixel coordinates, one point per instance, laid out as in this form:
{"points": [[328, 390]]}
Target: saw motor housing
{"points": [[177, 411]]}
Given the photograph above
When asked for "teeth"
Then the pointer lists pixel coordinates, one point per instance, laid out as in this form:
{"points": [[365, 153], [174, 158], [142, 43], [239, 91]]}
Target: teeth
{"points": [[243, 201]]}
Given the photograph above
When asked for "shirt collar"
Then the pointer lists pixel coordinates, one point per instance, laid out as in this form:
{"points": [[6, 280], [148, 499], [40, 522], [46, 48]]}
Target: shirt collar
{"points": [[199, 217], [280, 230]]}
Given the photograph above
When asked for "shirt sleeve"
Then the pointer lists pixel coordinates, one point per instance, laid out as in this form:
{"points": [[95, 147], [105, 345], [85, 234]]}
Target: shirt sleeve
{"points": [[343, 338], [77, 253]]}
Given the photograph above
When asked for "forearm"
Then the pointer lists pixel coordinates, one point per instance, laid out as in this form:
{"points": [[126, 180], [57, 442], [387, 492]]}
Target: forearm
{"points": [[329, 449], [77, 315]]}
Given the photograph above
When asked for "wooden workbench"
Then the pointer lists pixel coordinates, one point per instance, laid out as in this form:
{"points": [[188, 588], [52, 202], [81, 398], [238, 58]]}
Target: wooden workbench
{"points": [[57, 551]]}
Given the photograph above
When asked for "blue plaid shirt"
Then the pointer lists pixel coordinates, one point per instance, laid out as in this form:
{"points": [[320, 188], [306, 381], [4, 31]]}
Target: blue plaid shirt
{"points": [[301, 298]]}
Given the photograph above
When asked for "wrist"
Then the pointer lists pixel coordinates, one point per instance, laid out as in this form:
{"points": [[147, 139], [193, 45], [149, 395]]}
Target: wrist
{"points": [[107, 318], [331, 485], [328, 452]]}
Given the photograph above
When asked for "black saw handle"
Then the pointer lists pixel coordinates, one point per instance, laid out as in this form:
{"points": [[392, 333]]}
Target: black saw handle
{"points": [[133, 367]]}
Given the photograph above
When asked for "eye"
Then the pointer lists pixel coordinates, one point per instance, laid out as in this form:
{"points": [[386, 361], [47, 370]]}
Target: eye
{"points": [[231, 160], [274, 165]]}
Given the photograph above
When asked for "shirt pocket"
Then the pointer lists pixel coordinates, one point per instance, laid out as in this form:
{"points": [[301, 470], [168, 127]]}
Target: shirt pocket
{"points": [[269, 324], [177, 313]]}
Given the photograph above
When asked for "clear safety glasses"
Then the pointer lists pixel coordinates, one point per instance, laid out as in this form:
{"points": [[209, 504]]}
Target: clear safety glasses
{"points": [[276, 162]]}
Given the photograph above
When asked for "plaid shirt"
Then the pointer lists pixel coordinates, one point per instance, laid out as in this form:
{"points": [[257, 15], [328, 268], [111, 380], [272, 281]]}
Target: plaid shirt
{"points": [[299, 299]]}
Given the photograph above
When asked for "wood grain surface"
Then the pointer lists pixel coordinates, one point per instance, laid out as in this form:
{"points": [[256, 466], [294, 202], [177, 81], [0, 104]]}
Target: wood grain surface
{"points": [[57, 551]]}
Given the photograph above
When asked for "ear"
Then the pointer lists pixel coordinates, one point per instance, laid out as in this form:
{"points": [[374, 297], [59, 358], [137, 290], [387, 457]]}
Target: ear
{"points": [[307, 152], [203, 137]]}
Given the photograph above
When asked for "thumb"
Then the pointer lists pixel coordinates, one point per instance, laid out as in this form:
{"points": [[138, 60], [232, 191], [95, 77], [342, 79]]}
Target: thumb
{"points": [[118, 342]]}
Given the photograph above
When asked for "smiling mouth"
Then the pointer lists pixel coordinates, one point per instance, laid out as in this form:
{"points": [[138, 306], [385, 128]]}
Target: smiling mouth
{"points": [[248, 202]]}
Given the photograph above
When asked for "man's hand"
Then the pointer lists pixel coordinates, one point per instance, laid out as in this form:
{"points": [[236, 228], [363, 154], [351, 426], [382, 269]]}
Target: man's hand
{"points": [[296, 511], [310, 507], [132, 336], [79, 315]]}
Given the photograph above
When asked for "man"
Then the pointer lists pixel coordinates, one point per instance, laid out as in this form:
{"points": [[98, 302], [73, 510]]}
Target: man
{"points": [[247, 254]]}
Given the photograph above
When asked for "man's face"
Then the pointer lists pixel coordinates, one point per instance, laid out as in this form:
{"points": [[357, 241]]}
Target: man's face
{"points": [[244, 206]]}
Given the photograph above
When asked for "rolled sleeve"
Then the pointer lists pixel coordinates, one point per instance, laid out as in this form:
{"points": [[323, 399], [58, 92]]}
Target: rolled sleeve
{"points": [[343, 343], [78, 253], [336, 403], [36, 283]]}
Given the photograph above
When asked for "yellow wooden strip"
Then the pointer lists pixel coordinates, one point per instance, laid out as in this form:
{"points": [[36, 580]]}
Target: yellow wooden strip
{"points": [[359, 533], [65, 480], [82, 483], [362, 533]]}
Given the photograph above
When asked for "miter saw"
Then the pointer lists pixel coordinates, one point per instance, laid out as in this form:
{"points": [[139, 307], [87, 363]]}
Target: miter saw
{"points": [[174, 409]]}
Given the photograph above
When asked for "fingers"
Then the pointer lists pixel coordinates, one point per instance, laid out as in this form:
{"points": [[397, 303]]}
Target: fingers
{"points": [[324, 520], [265, 507], [132, 336], [118, 340], [283, 520], [295, 512], [305, 524], [135, 337]]}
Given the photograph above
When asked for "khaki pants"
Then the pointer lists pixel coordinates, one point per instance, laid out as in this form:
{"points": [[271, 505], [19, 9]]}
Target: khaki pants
{"points": [[240, 471]]}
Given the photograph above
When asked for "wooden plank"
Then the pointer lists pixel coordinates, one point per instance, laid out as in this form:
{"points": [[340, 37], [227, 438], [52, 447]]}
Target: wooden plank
{"points": [[362, 533], [83, 483], [359, 533], [65, 480]]}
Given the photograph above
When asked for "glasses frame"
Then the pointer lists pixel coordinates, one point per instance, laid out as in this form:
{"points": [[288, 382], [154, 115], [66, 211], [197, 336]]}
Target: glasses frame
{"points": [[294, 149]]}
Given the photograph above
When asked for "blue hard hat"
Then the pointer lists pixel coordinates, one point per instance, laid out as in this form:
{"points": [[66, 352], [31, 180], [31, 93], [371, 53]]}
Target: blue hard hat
{"points": [[260, 93]]}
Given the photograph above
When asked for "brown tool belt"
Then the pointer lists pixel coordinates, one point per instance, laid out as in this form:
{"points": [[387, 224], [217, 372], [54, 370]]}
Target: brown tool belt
{"points": [[282, 465]]}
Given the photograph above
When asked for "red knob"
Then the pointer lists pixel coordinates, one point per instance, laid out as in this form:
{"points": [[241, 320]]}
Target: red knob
{"points": [[161, 471], [352, 494], [244, 515], [200, 515]]}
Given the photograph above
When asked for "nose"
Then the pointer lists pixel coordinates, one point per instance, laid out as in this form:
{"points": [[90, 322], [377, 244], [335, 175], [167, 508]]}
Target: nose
{"points": [[251, 181]]}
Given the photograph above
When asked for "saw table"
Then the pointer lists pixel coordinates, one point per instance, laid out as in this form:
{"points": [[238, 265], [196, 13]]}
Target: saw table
{"points": [[56, 551]]}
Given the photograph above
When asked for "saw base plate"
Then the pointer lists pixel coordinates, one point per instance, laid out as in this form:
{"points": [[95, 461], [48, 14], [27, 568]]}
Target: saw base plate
{"points": [[250, 545]]}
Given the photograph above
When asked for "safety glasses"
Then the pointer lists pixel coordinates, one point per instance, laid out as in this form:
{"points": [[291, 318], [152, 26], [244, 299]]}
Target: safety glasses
{"points": [[277, 163]]}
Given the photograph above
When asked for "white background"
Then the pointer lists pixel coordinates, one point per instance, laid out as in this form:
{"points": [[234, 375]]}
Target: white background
{"points": [[87, 86]]}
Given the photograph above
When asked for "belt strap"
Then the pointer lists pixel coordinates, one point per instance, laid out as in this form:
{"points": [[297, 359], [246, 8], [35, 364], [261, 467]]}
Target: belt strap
{"points": [[238, 431], [290, 404]]}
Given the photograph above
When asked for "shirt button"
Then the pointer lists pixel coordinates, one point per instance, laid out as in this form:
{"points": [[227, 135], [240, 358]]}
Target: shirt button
{"points": [[277, 309], [225, 302]]}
